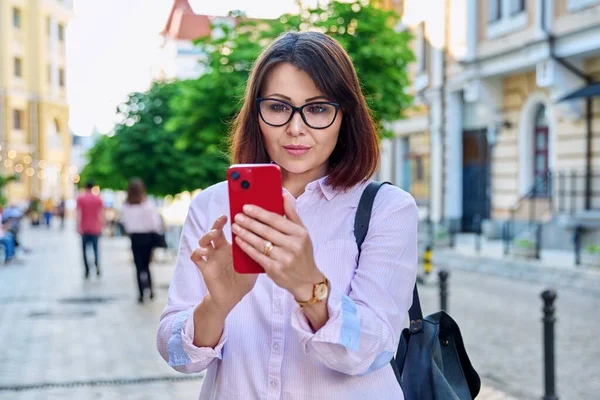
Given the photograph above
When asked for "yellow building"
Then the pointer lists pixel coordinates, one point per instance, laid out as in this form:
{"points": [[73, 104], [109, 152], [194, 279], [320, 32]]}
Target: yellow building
{"points": [[34, 113]]}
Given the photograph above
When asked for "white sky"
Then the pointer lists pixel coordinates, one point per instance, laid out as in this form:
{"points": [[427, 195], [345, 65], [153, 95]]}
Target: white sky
{"points": [[111, 45]]}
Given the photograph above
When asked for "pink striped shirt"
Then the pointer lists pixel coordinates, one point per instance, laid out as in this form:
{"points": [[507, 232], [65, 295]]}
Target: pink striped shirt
{"points": [[267, 349]]}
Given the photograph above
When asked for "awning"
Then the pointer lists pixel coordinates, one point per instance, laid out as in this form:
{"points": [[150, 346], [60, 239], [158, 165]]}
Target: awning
{"points": [[590, 90]]}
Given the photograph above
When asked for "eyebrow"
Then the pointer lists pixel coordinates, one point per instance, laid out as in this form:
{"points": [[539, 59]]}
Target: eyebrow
{"points": [[289, 98]]}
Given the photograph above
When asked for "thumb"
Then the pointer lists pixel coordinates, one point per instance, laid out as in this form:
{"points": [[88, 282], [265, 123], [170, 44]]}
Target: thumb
{"points": [[289, 207]]}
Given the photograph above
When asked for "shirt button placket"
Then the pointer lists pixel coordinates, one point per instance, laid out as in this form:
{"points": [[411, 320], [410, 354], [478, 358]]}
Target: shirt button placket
{"points": [[277, 340]]}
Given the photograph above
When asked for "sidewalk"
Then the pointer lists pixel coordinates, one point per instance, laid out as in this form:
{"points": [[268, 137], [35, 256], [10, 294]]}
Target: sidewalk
{"points": [[555, 268], [66, 338]]}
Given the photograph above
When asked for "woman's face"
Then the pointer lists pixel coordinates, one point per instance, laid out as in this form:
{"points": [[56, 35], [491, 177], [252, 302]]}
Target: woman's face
{"points": [[296, 147]]}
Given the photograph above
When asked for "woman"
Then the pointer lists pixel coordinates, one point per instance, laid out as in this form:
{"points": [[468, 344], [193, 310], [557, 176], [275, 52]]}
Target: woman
{"points": [[142, 222], [319, 324]]}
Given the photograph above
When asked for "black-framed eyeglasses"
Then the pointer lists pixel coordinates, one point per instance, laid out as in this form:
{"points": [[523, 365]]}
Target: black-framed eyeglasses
{"points": [[317, 115]]}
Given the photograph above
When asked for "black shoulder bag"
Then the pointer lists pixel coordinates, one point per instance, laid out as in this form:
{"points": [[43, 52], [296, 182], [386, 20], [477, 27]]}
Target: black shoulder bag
{"points": [[431, 362]]}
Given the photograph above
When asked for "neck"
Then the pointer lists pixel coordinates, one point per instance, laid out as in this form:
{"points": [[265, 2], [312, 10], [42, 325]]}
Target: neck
{"points": [[295, 183]]}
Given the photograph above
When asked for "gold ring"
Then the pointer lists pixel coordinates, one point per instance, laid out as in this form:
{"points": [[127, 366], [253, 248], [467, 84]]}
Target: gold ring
{"points": [[268, 248]]}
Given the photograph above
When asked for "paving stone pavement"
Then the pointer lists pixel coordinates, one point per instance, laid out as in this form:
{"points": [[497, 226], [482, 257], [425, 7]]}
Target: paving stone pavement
{"points": [[501, 322], [53, 332]]}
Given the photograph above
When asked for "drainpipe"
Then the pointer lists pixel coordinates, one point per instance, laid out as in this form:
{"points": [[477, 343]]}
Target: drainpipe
{"points": [[588, 106], [443, 105]]}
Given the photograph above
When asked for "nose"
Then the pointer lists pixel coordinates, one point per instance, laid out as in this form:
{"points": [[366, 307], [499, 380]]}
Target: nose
{"points": [[296, 125]]}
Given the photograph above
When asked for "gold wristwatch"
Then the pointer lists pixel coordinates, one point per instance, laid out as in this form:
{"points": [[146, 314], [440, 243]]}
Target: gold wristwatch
{"points": [[320, 292]]}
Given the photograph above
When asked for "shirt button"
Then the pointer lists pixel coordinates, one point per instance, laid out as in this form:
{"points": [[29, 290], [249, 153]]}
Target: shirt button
{"points": [[274, 383], [276, 347], [277, 303]]}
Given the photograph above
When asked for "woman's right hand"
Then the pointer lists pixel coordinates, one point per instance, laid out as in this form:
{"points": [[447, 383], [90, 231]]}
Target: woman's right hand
{"points": [[214, 260]]}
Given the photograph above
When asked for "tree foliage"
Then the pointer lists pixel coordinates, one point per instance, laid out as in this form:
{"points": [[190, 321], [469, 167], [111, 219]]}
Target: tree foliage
{"points": [[142, 147], [188, 148]]}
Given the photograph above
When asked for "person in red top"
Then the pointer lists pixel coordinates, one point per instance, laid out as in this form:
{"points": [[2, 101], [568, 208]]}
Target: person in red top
{"points": [[89, 223]]}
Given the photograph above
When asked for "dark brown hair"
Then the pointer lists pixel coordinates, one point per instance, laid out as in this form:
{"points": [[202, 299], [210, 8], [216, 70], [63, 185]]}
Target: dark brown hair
{"points": [[136, 191], [356, 155]]}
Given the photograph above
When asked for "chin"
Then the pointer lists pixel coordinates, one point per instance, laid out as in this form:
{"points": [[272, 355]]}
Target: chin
{"points": [[295, 166]]}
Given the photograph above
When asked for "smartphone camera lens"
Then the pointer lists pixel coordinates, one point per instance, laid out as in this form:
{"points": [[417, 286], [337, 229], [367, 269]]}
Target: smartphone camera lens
{"points": [[245, 184], [235, 175]]}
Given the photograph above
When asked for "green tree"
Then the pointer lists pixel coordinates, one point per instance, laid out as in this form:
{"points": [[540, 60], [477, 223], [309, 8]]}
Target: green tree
{"points": [[4, 181], [205, 106], [101, 165], [142, 147]]}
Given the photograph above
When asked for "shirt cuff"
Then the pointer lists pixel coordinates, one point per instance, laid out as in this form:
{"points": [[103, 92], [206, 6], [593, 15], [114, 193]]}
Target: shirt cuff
{"points": [[182, 350], [342, 327]]}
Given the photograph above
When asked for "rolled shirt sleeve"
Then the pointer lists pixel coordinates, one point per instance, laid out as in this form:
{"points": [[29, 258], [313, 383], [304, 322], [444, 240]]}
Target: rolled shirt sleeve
{"points": [[364, 325], [175, 335]]}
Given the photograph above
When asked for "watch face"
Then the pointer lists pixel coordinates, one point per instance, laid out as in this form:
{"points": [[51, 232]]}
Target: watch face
{"points": [[321, 291]]}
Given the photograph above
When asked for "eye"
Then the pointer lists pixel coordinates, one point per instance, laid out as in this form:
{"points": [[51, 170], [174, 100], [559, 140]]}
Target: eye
{"points": [[278, 107], [318, 108]]}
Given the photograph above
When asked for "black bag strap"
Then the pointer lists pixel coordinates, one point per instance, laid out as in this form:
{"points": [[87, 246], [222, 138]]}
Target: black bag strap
{"points": [[361, 227]]}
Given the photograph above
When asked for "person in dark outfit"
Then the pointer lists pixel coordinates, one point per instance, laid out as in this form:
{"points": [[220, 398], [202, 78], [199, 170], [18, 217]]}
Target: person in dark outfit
{"points": [[142, 222]]}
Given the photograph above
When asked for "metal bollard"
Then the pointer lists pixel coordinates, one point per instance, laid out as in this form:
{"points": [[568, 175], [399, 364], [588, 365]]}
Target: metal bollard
{"points": [[577, 242], [505, 237], [477, 222], [548, 297], [443, 274], [538, 240]]}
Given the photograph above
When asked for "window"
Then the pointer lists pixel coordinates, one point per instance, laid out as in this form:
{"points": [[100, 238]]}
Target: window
{"points": [[506, 17], [495, 10], [578, 5], [49, 26], [541, 152], [16, 13], [517, 6], [17, 120], [61, 32], [61, 77], [18, 65], [419, 173]]}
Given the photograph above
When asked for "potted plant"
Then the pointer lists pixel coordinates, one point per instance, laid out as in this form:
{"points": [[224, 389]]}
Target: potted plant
{"points": [[524, 247], [591, 255]]}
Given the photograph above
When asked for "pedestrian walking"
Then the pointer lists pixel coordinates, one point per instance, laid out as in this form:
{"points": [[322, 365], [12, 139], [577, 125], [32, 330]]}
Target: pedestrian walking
{"points": [[60, 212], [321, 323], [8, 242], [143, 224], [89, 224], [48, 210]]}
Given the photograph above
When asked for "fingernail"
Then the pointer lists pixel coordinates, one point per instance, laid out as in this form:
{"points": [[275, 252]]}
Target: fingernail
{"points": [[239, 218], [248, 208], [235, 227]]}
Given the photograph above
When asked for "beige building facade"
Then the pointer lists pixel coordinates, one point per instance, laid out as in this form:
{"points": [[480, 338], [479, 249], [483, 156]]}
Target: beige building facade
{"points": [[34, 113], [491, 76]]}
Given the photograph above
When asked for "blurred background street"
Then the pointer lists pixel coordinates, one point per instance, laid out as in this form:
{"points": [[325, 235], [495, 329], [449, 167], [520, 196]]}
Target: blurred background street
{"points": [[489, 113]]}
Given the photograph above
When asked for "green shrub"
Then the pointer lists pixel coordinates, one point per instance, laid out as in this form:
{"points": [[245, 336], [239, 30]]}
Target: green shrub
{"points": [[524, 243], [593, 248]]}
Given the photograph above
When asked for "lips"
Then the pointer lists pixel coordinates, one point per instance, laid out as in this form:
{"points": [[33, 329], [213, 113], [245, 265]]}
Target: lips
{"points": [[296, 150]]}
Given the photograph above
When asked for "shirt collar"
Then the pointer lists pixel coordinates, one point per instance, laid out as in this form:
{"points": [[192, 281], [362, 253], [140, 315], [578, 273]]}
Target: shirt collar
{"points": [[328, 191]]}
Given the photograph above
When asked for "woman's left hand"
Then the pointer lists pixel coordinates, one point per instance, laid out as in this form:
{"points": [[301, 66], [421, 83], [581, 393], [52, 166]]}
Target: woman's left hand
{"points": [[290, 264]]}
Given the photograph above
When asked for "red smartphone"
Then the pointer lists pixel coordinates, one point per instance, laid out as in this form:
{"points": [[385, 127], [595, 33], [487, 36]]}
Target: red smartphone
{"points": [[256, 184]]}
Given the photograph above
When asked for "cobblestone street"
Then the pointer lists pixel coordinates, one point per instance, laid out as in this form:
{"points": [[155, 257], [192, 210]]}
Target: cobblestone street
{"points": [[63, 337], [57, 328], [501, 323]]}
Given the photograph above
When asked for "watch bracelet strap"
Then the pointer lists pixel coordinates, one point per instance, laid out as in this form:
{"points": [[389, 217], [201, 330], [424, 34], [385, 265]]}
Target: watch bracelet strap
{"points": [[313, 299]]}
